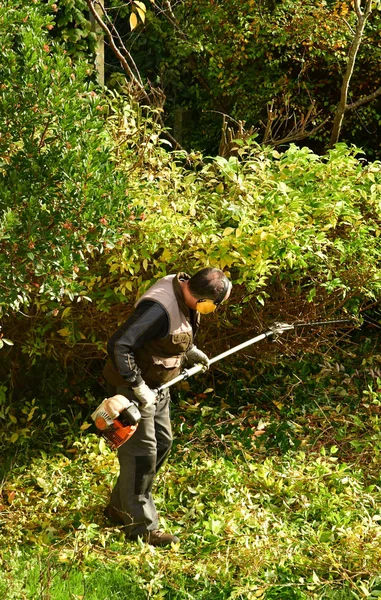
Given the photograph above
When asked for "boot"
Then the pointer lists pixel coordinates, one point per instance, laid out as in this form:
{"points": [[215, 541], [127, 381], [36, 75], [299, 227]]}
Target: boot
{"points": [[160, 538], [114, 515], [154, 538]]}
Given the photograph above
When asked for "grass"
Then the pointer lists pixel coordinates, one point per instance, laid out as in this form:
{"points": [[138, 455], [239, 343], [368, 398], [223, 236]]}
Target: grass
{"points": [[273, 487]]}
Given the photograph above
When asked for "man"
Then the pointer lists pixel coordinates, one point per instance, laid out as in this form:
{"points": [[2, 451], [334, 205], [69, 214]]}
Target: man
{"points": [[149, 349]]}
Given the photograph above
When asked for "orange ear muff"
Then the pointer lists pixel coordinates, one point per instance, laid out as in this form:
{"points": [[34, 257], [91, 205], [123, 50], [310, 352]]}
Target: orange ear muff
{"points": [[205, 306]]}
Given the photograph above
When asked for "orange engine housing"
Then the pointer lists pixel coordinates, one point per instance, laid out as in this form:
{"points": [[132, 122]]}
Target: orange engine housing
{"points": [[117, 433]]}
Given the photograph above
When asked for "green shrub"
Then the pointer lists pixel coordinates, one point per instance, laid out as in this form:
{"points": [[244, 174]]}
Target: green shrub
{"points": [[93, 209], [56, 176]]}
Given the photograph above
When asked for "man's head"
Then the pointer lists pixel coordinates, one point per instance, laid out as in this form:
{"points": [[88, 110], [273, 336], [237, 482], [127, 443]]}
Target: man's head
{"points": [[206, 289]]}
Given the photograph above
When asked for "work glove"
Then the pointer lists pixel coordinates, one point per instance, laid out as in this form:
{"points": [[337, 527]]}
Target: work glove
{"points": [[194, 356], [145, 395]]}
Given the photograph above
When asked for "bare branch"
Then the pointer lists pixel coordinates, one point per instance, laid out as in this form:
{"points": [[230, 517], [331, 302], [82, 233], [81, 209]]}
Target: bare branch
{"points": [[126, 61], [116, 50], [357, 6], [368, 8], [115, 31], [306, 120], [364, 100], [363, 12], [300, 135], [348, 25], [229, 135], [171, 14], [43, 136], [270, 119], [278, 119]]}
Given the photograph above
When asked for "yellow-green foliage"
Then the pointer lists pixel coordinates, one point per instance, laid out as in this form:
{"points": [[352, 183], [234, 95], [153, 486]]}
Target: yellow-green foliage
{"points": [[295, 215], [93, 208], [274, 491]]}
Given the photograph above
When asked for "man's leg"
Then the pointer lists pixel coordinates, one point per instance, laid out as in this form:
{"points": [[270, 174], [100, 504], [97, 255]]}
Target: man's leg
{"points": [[139, 458], [131, 496], [163, 429]]}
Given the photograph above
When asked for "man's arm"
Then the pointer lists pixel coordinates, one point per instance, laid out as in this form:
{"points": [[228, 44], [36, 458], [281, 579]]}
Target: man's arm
{"points": [[149, 321]]}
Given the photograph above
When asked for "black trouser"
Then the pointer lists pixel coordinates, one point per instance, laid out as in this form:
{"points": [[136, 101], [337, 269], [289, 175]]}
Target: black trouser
{"points": [[140, 458]]}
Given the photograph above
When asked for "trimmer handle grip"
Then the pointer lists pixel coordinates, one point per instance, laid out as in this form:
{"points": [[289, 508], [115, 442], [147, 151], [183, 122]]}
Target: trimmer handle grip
{"points": [[130, 415]]}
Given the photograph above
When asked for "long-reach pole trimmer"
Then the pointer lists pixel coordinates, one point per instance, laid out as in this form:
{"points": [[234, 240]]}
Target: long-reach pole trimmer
{"points": [[276, 329], [116, 431]]}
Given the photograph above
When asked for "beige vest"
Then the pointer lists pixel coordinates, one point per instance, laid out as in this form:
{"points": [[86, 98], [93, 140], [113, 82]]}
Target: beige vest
{"points": [[161, 360]]}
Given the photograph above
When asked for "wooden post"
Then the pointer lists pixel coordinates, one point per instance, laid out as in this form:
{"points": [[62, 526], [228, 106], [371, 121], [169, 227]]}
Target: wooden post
{"points": [[178, 124], [100, 49]]}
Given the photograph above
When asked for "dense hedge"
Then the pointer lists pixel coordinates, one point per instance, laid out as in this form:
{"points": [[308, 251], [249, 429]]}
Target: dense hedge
{"points": [[93, 208]]}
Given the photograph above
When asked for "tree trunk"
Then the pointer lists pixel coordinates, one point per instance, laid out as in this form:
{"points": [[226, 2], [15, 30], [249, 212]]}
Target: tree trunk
{"points": [[100, 49], [362, 17]]}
